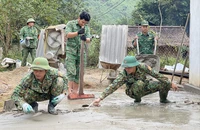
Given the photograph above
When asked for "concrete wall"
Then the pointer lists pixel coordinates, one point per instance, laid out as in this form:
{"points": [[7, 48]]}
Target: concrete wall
{"points": [[194, 43]]}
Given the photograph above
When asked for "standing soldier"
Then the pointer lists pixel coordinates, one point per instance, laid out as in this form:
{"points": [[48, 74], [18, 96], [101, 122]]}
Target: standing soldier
{"points": [[28, 40], [145, 39], [76, 30], [43, 83], [137, 84]]}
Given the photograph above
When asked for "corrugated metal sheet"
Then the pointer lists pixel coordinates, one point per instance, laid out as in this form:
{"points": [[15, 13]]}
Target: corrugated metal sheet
{"points": [[113, 43]]}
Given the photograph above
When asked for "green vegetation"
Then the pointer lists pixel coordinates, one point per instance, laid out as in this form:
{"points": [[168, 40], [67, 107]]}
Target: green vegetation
{"points": [[14, 14], [111, 11]]}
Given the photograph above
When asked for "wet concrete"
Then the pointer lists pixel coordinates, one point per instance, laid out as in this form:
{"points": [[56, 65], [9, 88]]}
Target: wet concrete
{"points": [[117, 112]]}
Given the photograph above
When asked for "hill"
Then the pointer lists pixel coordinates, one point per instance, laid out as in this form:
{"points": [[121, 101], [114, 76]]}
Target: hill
{"points": [[110, 11]]}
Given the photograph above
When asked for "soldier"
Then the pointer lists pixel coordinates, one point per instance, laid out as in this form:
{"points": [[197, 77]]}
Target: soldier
{"points": [[76, 30], [145, 39], [137, 84], [28, 40], [43, 83]]}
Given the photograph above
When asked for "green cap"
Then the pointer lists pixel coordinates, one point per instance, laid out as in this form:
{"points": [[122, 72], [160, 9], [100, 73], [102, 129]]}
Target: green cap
{"points": [[145, 23], [40, 63], [30, 20], [130, 61]]}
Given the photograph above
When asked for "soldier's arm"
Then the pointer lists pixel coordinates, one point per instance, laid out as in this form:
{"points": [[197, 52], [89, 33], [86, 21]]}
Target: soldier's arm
{"points": [[35, 37], [118, 82], [18, 95], [68, 30], [154, 73], [21, 34], [87, 34]]}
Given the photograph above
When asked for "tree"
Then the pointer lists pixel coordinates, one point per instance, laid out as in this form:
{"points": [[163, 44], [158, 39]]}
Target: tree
{"points": [[174, 12]]}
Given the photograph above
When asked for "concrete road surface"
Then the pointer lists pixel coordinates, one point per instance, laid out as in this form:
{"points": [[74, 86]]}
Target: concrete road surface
{"points": [[117, 112]]}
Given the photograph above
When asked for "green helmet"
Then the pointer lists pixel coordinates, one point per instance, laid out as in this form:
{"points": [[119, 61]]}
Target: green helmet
{"points": [[40, 63], [30, 20], [130, 61], [145, 23]]}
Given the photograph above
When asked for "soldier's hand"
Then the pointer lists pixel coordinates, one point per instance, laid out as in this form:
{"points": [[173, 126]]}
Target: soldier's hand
{"points": [[27, 108], [136, 37], [81, 31], [83, 37], [28, 38], [57, 99], [174, 87], [96, 102]]}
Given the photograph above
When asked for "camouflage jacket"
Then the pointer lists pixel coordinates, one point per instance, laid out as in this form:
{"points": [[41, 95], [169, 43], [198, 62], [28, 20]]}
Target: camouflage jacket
{"points": [[27, 31], [146, 43], [74, 44], [29, 82], [123, 78]]}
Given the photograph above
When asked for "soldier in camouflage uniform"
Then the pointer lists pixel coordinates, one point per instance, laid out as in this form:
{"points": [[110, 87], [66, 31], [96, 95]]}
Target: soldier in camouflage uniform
{"points": [[145, 39], [43, 83], [76, 30], [28, 40], [137, 84]]}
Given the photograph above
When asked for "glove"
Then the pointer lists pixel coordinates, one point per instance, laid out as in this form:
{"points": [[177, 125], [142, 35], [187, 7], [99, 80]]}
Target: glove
{"points": [[28, 38], [22, 41], [27, 108], [83, 37], [57, 99], [81, 31]]}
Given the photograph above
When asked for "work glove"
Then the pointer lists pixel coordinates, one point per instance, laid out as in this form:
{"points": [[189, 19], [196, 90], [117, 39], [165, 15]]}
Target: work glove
{"points": [[81, 31], [27, 108], [83, 37], [28, 38], [57, 99], [22, 41]]}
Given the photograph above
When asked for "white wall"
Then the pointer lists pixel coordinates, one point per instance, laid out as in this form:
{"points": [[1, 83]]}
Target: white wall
{"points": [[194, 76]]}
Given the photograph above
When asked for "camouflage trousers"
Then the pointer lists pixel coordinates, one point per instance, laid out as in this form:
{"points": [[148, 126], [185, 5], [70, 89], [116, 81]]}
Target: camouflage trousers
{"points": [[73, 66], [25, 52], [140, 89], [30, 96]]}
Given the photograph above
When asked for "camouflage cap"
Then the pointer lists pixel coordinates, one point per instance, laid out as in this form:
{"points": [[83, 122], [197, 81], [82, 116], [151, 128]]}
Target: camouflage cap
{"points": [[130, 61], [40, 63], [145, 23], [30, 20]]}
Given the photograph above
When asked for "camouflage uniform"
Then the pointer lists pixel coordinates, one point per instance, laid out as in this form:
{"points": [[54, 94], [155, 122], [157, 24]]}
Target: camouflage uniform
{"points": [[27, 31], [138, 85], [146, 43], [73, 50], [31, 90]]}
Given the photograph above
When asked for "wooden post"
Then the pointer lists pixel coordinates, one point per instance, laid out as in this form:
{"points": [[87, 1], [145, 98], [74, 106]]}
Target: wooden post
{"points": [[81, 74]]}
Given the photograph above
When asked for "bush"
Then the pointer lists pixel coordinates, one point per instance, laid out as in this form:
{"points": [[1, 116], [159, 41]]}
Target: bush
{"points": [[93, 53]]}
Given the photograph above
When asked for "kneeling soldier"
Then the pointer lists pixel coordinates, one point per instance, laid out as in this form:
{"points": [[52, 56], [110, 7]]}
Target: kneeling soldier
{"points": [[42, 83]]}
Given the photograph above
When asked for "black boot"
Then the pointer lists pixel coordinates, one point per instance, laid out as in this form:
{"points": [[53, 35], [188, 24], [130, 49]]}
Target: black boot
{"points": [[34, 106], [51, 109], [163, 97]]}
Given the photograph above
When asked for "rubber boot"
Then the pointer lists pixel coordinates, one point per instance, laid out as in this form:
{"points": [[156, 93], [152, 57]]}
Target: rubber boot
{"points": [[51, 109], [34, 106], [75, 88], [163, 97], [70, 87]]}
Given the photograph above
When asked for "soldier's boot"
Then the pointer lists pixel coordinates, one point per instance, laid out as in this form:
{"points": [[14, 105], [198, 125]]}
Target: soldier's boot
{"points": [[137, 100], [70, 87], [75, 87], [34, 106], [51, 109], [163, 97]]}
